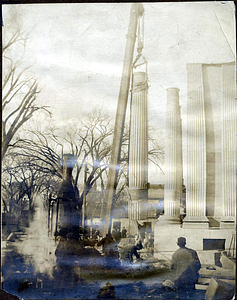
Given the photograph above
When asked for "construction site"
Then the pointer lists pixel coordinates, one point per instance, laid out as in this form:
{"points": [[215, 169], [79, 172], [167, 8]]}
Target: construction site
{"points": [[132, 245]]}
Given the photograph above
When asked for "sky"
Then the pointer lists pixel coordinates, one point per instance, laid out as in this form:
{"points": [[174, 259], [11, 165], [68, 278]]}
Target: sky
{"points": [[76, 52]]}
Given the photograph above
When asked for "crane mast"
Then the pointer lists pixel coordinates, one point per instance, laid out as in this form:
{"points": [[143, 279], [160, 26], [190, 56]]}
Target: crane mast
{"points": [[136, 12]]}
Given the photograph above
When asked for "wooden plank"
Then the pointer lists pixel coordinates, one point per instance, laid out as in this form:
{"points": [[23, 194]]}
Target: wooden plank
{"points": [[201, 287]]}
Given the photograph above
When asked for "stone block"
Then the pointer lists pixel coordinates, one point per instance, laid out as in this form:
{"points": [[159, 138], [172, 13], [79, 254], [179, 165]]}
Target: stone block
{"points": [[226, 262], [219, 290], [206, 281], [217, 272]]}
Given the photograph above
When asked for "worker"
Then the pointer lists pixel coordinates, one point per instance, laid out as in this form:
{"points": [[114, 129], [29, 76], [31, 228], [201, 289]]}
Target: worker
{"points": [[126, 254], [94, 235], [114, 232], [150, 246], [117, 236], [74, 245], [61, 249], [138, 242], [109, 247], [134, 252], [124, 232], [185, 264], [137, 246], [107, 292], [106, 242], [182, 212], [97, 232], [146, 241]]}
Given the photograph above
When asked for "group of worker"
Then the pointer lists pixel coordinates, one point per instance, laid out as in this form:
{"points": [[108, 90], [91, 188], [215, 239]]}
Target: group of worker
{"points": [[117, 234], [125, 251], [118, 253], [185, 262], [121, 253]]}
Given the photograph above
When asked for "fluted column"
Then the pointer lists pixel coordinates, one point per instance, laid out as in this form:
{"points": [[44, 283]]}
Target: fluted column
{"points": [[196, 150], [228, 145], [173, 156], [138, 148]]}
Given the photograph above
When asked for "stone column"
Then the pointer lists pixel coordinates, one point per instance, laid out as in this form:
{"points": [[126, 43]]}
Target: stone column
{"points": [[228, 145], [138, 147], [196, 151], [173, 157]]}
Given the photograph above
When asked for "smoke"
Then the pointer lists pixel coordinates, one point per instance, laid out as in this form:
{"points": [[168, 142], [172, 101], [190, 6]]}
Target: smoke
{"points": [[37, 247]]}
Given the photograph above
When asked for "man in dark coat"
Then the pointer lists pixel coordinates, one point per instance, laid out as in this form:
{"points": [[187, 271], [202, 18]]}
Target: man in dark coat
{"points": [[185, 264], [124, 232], [126, 253]]}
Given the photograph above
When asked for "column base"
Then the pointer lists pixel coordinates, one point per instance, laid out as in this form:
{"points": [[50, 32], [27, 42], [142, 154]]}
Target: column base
{"points": [[138, 193], [169, 220], [227, 222], [195, 222]]}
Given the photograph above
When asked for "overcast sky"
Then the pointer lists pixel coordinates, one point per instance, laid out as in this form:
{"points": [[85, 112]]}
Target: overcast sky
{"points": [[76, 51]]}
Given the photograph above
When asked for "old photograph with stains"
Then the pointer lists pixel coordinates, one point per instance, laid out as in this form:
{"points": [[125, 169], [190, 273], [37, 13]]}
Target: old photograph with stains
{"points": [[118, 150]]}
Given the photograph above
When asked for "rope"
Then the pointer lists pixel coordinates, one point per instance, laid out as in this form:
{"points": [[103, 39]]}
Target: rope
{"points": [[140, 86], [162, 254]]}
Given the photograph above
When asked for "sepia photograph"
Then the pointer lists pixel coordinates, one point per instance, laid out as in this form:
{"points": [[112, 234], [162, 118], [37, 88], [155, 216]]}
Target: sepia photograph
{"points": [[118, 176]]}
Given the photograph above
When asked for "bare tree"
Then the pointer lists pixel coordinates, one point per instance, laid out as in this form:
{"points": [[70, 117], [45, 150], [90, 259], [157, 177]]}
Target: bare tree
{"points": [[90, 143], [156, 151], [19, 94], [41, 156], [22, 181]]}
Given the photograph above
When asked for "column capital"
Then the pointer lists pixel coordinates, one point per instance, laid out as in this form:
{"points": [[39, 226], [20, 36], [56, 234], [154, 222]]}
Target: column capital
{"points": [[191, 65]]}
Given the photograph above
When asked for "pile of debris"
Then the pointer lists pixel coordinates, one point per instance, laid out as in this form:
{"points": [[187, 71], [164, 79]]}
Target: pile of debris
{"points": [[219, 282]]}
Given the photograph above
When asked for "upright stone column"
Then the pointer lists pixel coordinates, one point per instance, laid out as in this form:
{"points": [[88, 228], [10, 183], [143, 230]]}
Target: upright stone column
{"points": [[173, 157], [138, 148], [196, 151], [228, 145], [168, 227]]}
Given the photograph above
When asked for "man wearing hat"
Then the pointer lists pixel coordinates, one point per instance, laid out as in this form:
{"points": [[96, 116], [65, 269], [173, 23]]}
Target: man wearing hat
{"points": [[185, 264]]}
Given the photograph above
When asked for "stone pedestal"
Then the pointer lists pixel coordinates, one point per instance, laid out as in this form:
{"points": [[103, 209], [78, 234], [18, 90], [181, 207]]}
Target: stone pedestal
{"points": [[196, 222], [228, 222], [166, 240]]}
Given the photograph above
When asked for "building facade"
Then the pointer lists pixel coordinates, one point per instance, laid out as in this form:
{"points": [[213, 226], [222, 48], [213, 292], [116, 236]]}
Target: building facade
{"points": [[211, 161]]}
